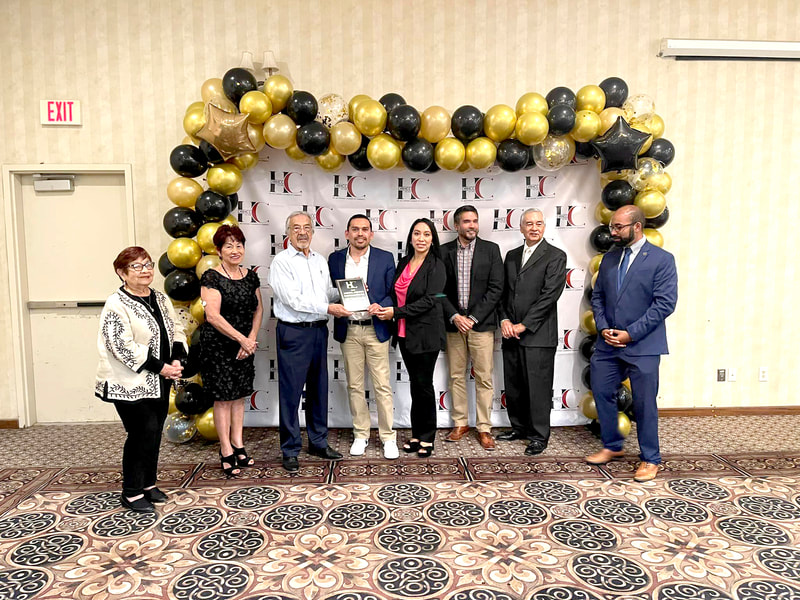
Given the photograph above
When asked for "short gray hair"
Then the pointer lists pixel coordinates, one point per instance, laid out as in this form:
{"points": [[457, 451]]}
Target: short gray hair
{"points": [[298, 213], [529, 210]]}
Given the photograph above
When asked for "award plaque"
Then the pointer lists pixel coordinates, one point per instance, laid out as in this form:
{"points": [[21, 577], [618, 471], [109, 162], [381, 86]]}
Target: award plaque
{"points": [[353, 294]]}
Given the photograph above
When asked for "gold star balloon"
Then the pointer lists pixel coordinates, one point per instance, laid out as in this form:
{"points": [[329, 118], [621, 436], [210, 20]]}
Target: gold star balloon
{"points": [[226, 132]]}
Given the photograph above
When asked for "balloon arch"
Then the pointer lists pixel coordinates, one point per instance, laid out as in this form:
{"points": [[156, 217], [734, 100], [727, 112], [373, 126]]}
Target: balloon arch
{"points": [[238, 116]]}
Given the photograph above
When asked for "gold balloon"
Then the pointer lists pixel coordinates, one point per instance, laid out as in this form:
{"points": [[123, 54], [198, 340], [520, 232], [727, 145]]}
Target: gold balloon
{"points": [[295, 153], [224, 178], [656, 126], [172, 393], [605, 178], [278, 89], [383, 152], [594, 280], [590, 97], [652, 203], [194, 121], [184, 191], [209, 261], [608, 117], [532, 102], [257, 106], [370, 117], [602, 214], [187, 139], [195, 106], [184, 253], [197, 311], [499, 122], [205, 238], [330, 160], [345, 138], [594, 263], [280, 131], [554, 152], [256, 135], [353, 104], [587, 125], [230, 220], [223, 104], [226, 132], [623, 424], [434, 124], [588, 406], [205, 424], [654, 237], [587, 322], [244, 161], [449, 154], [646, 169], [211, 88], [481, 153], [627, 383], [464, 167], [532, 128], [644, 129], [661, 182]]}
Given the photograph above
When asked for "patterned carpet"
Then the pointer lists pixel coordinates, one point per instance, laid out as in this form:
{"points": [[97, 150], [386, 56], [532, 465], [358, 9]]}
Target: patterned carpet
{"points": [[479, 526]]}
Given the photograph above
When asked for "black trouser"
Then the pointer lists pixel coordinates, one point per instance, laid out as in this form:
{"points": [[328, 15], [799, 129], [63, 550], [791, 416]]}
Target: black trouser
{"points": [[528, 376], [423, 401], [143, 421]]}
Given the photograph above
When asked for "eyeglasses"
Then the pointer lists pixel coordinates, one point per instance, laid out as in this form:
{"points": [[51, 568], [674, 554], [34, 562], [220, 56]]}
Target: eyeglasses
{"points": [[299, 228], [139, 266], [617, 228]]}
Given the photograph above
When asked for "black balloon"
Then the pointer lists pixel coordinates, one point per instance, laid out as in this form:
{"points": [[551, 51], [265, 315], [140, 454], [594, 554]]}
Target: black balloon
{"points": [[619, 147], [561, 118], [616, 91], [188, 161], [587, 346], [233, 202], [212, 206], [182, 285], [601, 239], [531, 159], [586, 377], [662, 150], [302, 107], [391, 101], [623, 398], [512, 155], [212, 154], [659, 221], [618, 193], [180, 221], [467, 123], [164, 266], [587, 294], [417, 154], [585, 149], [358, 159], [192, 399], [561, 95], [191, 364], [434, 167], [403, 122], [237, 82], [313, 138]]}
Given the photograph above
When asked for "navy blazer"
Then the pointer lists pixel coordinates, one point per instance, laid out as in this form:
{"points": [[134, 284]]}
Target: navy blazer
{"points": [[648, 296], [380, 276]]}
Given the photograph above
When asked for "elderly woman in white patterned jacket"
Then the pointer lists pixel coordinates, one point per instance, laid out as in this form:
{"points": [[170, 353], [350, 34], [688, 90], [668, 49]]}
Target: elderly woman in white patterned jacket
{"points": [[140, 350]]}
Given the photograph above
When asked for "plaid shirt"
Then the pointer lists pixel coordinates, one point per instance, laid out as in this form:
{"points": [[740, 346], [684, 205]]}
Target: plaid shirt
{"points": [[464, 256]]}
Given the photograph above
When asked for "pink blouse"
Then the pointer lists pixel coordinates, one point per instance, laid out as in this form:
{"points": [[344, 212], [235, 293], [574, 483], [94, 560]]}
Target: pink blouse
{"points": [[401, 289]]}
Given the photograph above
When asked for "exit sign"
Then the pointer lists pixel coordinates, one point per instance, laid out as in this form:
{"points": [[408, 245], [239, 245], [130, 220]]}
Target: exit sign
{"points": [[60, 112]]}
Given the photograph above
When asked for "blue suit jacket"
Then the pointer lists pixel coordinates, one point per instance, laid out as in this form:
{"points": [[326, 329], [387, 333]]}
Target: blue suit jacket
{"points": [[647, 297], [380, 275]]}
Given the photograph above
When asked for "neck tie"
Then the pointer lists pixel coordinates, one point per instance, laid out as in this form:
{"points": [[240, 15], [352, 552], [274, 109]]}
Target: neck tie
{"points": [[623, 267]]}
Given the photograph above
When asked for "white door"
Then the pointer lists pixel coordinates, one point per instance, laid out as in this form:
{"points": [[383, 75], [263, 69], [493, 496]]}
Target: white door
{"points": [[70, 242]]}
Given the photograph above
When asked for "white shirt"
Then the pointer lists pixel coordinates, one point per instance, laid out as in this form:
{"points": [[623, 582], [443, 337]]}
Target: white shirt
{"points": [[635, 248], [301, 286], [527, 252], [353, 270]]}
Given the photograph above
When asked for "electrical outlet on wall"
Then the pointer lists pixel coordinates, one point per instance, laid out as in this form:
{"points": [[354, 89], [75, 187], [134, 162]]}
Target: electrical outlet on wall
{"points": [[762, 374], [720, 375]]}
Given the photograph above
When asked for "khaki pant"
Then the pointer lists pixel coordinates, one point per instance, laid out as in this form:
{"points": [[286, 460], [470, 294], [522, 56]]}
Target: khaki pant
{"points": [[361, 347], [479, 346]]}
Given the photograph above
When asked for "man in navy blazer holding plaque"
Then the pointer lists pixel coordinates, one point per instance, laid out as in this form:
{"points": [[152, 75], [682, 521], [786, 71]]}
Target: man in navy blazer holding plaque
{"points": [[363, 337], [636, 290]]}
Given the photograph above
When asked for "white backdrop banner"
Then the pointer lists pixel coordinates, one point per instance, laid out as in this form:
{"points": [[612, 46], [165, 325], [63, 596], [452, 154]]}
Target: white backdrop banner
{"points": [[278, 185]]}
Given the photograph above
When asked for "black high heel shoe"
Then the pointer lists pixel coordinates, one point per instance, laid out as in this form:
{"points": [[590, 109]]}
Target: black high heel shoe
{"points": [[228, 460], [425, 451], [411, 446], [242, 460]]}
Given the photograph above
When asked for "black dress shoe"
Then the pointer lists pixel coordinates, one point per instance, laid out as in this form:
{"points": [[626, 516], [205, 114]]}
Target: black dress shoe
{"points": [[155, 495], [141, 505], [291, 464], [327, 453], [510, 436], [535, 447]]}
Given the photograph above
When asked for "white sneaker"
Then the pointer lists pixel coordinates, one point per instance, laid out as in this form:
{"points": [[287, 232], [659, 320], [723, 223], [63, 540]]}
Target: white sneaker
{"points": [[359, 447], [390, 450]]}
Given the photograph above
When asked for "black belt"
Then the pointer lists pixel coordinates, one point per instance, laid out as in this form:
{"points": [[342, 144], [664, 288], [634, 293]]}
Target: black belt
{"points": [[364, 323], [322, 323]]}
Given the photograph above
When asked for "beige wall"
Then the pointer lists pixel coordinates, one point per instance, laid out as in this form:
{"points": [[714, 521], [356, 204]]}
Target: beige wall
{"points": [[135, 66]]}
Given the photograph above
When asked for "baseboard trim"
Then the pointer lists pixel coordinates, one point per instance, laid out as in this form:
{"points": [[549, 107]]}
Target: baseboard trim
{"points": [[9, 423], [729, 411]]}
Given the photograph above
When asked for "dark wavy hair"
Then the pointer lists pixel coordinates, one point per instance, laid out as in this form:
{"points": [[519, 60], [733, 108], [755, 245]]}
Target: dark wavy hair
{"points": [[128, 256], [434, 237], [224, 233]]}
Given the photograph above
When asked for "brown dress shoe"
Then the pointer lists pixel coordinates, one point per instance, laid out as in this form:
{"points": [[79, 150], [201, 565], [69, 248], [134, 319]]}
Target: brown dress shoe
{"points": [[604, 456], [646, 472], [486, 440], [457, 433]]}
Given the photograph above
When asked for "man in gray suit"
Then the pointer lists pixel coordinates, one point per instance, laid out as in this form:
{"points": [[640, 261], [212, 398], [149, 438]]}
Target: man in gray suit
{"points": [[535, 274]]}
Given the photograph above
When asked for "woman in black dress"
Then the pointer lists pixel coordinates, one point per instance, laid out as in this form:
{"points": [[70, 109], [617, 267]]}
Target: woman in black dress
{"points": [[232, 300]]}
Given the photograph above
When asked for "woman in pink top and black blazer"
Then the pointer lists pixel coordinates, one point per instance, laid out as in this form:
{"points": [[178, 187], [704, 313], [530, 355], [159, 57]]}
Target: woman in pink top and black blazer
{"points": [[416, 293]]}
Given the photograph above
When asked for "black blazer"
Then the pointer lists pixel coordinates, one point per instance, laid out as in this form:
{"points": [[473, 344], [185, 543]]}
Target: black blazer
{"points": [[423, 308], [485, 284], [530, 293]]}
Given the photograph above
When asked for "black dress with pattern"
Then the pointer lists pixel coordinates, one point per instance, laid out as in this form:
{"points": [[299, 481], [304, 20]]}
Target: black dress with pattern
{"points": [[224, 377]]}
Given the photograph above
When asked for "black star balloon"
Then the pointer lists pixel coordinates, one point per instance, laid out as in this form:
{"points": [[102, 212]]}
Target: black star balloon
{"points": [[619, 147], [227, 132]]}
